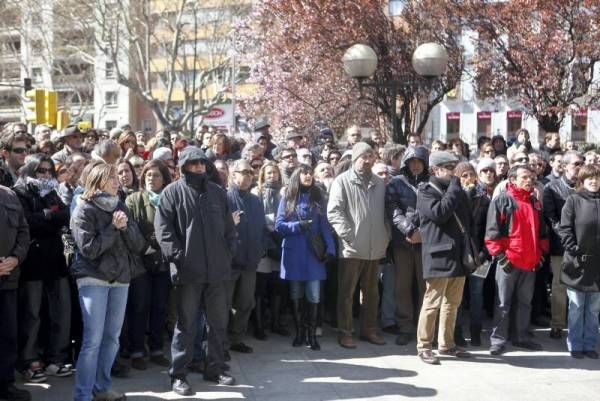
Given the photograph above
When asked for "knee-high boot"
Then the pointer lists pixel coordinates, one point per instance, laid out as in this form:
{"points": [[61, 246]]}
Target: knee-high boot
{"points": [[299, 322], [313, 311]]}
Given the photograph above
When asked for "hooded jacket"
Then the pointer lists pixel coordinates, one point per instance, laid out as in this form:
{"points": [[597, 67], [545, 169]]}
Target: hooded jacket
{"points": [[515, 227], [555, 194], [14, 235], [401, 197]]}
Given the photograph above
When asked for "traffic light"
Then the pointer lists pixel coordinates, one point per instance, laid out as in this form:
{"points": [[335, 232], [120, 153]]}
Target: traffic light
{"points": [[34, 106], [62, 120], [50, 107]]}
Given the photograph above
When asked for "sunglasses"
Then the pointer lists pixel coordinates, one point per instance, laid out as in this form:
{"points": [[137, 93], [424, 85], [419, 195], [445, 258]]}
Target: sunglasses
{"points": [[576, 164], [42, 170], [20, 150], [487, 170]]}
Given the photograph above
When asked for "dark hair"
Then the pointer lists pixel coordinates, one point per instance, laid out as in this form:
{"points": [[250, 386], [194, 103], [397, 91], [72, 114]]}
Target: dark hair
{"points": [[33, 163], [392, 151], [512, 173], [587, 171], [162, 168], [136, 180], [481, 140], [292, 191], [7, 140]]}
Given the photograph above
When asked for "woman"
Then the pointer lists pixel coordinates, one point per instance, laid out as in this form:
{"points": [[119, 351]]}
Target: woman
{"points": [[300, 215], [580, 236], [521, 144], [219, 148], [44, 273], [149, 292], [128, 180], [269, 286], [108, 247], [128, 143]]}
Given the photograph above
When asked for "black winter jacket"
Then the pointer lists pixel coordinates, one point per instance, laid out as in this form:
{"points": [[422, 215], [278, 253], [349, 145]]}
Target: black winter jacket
{"points": [[555, 194], [580, 234], [14, 235], [442, 245], [195, 231], [45, 258], [251, 230], [103, 251]]}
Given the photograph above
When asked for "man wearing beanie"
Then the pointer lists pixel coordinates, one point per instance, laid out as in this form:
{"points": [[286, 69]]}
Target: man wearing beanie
{"points": [[356, 212], [197, 236], [443, 208]]}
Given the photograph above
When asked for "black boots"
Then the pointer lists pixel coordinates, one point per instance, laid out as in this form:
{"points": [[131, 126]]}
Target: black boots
{"points": [[313, 311], [276, 326], [476, 335], [299, 319], [259, 328]]}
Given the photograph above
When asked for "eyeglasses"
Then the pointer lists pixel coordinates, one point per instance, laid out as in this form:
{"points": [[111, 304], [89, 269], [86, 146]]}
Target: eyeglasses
{"points": [[522, 160], [487, 171], [42, 170], [289, 156], [20, 150], [448, 166], [576, 164], [20, 132]]}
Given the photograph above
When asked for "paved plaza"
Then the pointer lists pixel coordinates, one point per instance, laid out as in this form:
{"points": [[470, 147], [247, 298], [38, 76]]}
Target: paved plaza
{"points": [[278, 372]]}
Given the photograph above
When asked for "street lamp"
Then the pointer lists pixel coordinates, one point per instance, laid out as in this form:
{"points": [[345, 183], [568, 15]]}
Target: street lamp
{"points": [[429, 60]]}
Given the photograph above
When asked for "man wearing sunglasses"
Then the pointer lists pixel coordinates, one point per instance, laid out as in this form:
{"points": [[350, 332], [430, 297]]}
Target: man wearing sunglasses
{"points": [[14, 148], [555, 196]]}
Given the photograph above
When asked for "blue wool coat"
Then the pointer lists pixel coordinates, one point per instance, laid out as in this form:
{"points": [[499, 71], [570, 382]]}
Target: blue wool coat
{"points": [[298, 261]]}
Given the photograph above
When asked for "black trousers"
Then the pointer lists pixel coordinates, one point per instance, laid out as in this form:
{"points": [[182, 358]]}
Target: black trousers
{"points": [[8, 336]]}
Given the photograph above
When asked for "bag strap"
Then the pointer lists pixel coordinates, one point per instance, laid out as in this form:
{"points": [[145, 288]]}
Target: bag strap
{"points": [[460, 225]]}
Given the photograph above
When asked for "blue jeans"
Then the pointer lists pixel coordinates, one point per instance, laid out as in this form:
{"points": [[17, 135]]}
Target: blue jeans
{"points": [[103, 310], [388, 300], [311, 290], [583, 320]]}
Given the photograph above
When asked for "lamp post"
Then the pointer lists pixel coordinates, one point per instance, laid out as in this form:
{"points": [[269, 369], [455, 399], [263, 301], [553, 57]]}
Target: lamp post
{"points": [[429, 60]]}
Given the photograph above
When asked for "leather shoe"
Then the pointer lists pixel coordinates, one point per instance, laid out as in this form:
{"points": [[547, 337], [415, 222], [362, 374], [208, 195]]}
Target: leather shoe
{"points": [[455, 352], [373, 339], [496, 349], [577, 354], [222, 379], [139, 364], [555, 333], [403, 338], [429, 357], [393, 329], [180, 386], [347, 342], [591, 354], [241, 347], [530, 345]]}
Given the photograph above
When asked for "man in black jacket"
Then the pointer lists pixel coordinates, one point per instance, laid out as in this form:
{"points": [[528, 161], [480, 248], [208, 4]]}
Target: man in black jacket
{"points": [[14, 242], [555, 195], [443, 208], [195, 230]]}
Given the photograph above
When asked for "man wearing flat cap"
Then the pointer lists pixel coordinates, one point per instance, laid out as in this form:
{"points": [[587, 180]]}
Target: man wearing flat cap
{"points": [[443, 208], [357, 214], [72, 139], [197, 236]]}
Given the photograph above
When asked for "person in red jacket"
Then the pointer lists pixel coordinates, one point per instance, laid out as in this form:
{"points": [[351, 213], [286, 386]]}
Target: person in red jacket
{"points": [[517, 236]]}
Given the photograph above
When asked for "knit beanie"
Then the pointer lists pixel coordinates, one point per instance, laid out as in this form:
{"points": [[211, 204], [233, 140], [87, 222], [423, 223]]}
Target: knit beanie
{"points": [[486, 164], [359, 149]]}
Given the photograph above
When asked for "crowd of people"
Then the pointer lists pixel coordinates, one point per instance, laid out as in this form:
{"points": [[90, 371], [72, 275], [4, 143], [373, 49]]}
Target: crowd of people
{"points": [[113, 243]]}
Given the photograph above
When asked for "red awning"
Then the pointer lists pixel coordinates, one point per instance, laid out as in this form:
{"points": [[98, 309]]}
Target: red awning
{"points": [[514, 114], [484, 115], [453, 115]]}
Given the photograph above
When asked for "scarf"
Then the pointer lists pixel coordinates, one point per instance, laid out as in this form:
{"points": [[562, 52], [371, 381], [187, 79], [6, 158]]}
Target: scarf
{"points": [[105, 201], [43, 185], [154, 198], [195, 180], [271, 197]]}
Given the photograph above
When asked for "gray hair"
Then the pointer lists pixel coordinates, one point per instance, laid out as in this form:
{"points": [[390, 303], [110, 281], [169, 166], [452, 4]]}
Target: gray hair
{"points": [[104, 148], [571, 155]]}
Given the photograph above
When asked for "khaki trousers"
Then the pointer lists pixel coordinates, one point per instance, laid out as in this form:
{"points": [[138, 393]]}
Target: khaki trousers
{"points": [[558, 298], [365, 273], [443, 295]]}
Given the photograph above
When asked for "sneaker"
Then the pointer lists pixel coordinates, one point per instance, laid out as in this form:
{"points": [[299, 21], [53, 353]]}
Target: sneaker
{"points": [[109, 395], [429, 357], [180, 386], [497, 349], [160, 360], [223, 379], [455, 352], [58, 370], [35, 373], [11, 393]]}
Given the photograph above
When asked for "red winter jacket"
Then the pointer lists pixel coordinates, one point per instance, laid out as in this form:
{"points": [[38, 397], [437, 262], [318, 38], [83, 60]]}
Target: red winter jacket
{"points": [[516, 228]]}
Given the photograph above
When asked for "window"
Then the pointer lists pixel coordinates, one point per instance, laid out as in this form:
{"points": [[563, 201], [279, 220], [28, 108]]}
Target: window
{"points": [[514, 121], [111, 98], [109, 70], [579, 125], [452, 125], [110, 124], [396, 7], [484, 124], [36, 74]]}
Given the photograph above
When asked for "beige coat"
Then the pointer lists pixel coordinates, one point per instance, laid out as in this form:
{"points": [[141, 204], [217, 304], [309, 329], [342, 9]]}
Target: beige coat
{"points": [[356, 211]]}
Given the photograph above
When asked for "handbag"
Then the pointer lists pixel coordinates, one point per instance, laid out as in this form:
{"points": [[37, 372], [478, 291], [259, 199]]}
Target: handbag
{"points": [[470, 257], [316, 242]]}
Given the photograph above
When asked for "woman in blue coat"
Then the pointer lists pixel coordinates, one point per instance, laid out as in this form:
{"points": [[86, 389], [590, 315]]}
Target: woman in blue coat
{"points": [[301, 215]]}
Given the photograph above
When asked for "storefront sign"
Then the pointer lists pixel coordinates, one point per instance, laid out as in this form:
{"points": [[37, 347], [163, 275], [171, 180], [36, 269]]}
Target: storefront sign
{"points": [[484, 115], [514, 114], [453, 115]]}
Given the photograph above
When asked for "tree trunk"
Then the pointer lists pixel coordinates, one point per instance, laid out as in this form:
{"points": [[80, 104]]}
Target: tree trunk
{"points": [[550, 122]]}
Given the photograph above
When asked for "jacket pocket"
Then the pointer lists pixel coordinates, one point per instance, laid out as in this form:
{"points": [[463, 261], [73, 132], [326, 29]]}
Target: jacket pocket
{"points": [[441, 255], [441, 247]]}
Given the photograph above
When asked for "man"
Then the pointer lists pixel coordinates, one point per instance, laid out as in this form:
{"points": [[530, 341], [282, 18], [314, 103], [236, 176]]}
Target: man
{"points": [[443, 208], [356, 213], [401, 208], [262, 125], [550, 146], [288, 161], [556, 167], [14, 148], [252, 151], [14, 243], [249, 219], [73, 141], [295, 139], [107, 151], [414, 140], [377, 137], [591, 157], [353, 135], [516, 236], [304, 156], [197, 236], [555, 196], [502, 167], [391, 155], [263, 141], [538, 165], [42, 132], [381, 170]]}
